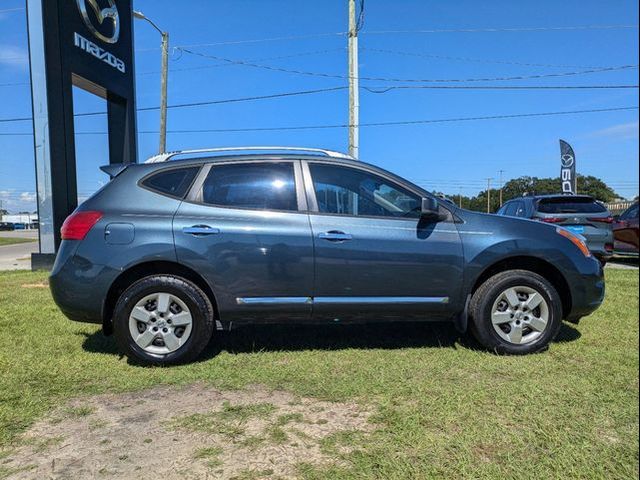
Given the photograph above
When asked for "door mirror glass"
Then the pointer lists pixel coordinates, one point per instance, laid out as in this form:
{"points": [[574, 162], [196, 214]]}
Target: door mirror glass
{"points": [[430, 210]]}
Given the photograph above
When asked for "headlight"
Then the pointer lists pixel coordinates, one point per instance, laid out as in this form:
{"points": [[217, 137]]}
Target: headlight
{"points": [[577, 241]]}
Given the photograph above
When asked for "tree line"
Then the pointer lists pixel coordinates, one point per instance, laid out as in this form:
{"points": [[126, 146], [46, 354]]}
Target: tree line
{"points": [[517, 187]]}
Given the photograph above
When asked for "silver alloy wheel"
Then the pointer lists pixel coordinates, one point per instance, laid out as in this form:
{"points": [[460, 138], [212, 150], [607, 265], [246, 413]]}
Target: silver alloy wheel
{"points": [[520, 315], [160, 323]]}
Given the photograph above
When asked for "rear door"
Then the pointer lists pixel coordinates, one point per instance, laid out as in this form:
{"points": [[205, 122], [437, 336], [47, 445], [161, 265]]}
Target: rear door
{"points": [[244, 227], [375, 258]]}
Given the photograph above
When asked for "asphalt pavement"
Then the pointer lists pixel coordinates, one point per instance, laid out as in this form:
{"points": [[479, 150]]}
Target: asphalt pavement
{"points": [[18, 256]]}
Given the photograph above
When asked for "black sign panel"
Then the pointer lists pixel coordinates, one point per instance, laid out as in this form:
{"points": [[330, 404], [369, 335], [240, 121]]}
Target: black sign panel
{"points": [[97, 43], [89, 44]]}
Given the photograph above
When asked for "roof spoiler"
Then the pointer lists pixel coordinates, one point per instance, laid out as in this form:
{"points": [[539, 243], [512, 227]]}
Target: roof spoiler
{"points": [[114, 169]]}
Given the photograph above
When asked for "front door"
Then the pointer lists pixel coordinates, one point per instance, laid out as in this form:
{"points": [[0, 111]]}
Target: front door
{"points": [[246, 230], [375, 257]]}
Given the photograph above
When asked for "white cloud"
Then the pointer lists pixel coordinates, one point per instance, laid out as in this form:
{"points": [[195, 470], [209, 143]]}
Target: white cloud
{"points": [[13, 57], [15, 202], [623, 131], [27, 197]]}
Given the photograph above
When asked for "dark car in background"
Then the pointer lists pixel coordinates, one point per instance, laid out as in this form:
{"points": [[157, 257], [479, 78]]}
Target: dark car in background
{"points": [[579, 214], [6, 226], [626, 232], [169, 251]]}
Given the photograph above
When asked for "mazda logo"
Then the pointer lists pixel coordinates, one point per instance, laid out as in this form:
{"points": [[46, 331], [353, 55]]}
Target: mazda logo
{"points": [[107, 16], [567, 160]]}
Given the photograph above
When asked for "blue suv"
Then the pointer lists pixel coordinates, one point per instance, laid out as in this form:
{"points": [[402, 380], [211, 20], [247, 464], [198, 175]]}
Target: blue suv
{"points": [[169, 251]]}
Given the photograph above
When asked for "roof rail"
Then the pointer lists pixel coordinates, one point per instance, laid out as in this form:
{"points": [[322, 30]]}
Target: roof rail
{"points": [[163, 157]]}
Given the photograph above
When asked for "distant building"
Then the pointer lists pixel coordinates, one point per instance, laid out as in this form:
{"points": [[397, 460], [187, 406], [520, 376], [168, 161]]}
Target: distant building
{"points": [[29, 220]]}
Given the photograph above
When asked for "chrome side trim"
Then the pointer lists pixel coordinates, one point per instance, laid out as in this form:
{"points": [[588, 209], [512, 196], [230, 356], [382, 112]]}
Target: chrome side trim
{"points": [[273, 300], [338, 300], [378, 300]]}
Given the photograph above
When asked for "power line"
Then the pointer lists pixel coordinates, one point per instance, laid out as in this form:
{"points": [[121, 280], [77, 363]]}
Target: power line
{"points": [[408, 80], [374, 124], [279, 57], [257, 40], [469, 59], [384, 32], [508, 29], [206, 67], [200, 104], [385, 89], [19, 119], [6, 10]]}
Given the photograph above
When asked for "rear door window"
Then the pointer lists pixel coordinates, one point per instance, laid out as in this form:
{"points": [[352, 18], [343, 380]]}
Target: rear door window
{"points": [[257, 186], [173, 182], [569, 205]]}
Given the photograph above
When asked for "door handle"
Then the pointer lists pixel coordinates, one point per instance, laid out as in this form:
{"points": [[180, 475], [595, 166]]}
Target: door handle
{"points": [[335, 236], [198, 230]]}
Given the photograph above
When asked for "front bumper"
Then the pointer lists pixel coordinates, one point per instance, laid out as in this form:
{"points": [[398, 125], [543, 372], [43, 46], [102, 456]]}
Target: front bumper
{"points": [[587, 291]]}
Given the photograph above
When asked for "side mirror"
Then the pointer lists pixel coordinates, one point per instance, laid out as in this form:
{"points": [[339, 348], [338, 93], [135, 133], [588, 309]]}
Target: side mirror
{"points": [[430, 210]]}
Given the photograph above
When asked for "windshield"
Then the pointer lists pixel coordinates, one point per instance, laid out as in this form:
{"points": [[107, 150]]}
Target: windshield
{"points": [[570, 205]]}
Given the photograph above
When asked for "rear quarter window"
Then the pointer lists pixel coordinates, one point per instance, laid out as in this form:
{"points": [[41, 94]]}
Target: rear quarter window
{"points": [[570, 205], [174, 182]]}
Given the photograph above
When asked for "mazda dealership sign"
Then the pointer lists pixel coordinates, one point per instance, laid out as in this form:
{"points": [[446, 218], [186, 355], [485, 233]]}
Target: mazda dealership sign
{"points": [[85, 44]]}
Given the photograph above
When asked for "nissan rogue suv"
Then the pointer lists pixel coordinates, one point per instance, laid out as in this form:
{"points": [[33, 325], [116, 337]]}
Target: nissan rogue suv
{"points": [[169, 250]]}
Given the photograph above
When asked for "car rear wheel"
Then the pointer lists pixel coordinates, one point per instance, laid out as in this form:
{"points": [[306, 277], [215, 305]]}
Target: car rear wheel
{"points": [[163, 320], [516, 312]]}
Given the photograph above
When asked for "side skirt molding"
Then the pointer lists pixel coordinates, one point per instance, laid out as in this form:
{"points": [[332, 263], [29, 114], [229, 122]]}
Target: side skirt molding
{"points": [[340, 300]]}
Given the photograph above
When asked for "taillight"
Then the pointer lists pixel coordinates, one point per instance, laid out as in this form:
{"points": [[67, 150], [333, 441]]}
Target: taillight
{"points": [[77, 225], [552, 219], [608, 247], [601, 219]]}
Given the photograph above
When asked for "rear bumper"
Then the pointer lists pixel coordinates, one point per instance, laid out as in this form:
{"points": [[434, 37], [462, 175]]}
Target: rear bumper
{"points": [[587, 291], [598, 245], [79, 287]]}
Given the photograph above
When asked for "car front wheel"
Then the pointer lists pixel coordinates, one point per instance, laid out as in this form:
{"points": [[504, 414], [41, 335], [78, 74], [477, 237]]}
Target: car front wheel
{"points": [[163, 320], [516, 312]]}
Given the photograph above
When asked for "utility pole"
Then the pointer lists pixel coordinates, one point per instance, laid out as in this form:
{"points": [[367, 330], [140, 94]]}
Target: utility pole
{"points": [[163, 92], [460, 198], [489, 195], [163, 80], [500, 172], [354, 97]]}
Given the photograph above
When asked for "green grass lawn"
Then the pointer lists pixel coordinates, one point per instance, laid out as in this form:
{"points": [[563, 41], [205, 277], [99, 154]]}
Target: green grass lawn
{"points": [[14, 240], [442, 407]]}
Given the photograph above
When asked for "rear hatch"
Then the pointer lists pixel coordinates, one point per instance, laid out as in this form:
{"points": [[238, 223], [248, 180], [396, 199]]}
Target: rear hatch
{"points": [[580, 214]]}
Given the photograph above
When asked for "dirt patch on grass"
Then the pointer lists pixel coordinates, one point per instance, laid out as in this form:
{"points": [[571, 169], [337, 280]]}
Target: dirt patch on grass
{"points": [[34, 285], [190, 432]]}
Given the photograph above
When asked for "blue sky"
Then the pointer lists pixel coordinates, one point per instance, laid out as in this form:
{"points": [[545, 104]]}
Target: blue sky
{"points": [[452, 156]]}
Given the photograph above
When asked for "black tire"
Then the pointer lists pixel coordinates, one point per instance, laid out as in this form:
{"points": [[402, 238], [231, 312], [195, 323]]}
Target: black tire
{"points": [[480, 310], [202, 314]]}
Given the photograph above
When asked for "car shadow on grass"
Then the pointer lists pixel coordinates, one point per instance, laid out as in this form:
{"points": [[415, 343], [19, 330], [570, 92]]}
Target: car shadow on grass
{"points": [[296, 337]]}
